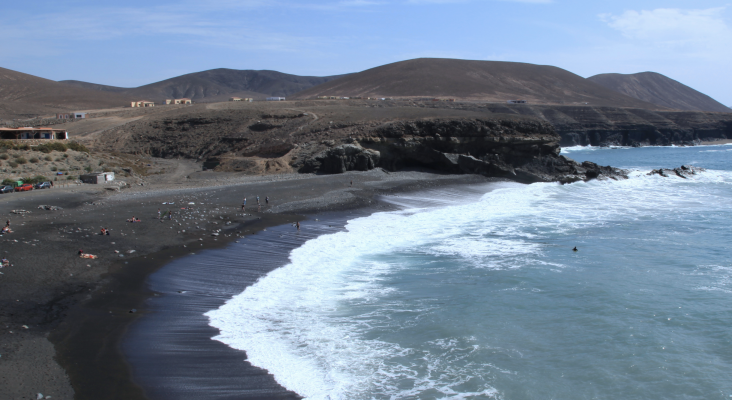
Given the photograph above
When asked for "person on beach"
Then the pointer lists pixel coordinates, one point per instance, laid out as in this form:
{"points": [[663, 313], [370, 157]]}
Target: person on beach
{"points": [[159, 213], [5, 262], [257, 200], [244, 204], [81, 251], [351, 183], [103, 232], [298, 225], [170, 215], [266, 200], [7, 223]]}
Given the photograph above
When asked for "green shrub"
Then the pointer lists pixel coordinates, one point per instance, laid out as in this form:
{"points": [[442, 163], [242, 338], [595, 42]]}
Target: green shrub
{"points": [[21, 160], [22, 147], [34, 160], [66, 156], [54, 169], [8, 181], [13, 164], [58, 159], [35, 179], [88, 169], [69, 178], [4, 156], [49, 147], [77, 147], [48, 158]]}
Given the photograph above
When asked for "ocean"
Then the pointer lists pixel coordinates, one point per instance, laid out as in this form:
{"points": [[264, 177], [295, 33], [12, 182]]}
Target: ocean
{"points": [[478, 294]]}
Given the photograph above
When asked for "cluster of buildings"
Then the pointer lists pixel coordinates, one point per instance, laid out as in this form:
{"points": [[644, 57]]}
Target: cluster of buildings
{"points": [[247, 99], [146, 103], [516, 101]]}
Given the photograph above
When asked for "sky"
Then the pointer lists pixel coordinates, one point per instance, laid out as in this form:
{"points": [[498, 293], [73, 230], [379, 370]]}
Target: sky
{"points": [[133, 43]]}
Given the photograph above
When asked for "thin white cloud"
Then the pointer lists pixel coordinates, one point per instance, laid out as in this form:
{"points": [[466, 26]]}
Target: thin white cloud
{"points": [[671, 26]]}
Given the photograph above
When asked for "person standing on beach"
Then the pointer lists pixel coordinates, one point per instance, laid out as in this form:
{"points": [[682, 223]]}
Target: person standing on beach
{"points": [[266, 200], [244, 204], [298, 225], [257, 200], [159, 214]]}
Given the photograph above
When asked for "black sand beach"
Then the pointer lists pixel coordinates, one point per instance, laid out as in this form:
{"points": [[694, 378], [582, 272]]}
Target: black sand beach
{"points": [[77, 310]]}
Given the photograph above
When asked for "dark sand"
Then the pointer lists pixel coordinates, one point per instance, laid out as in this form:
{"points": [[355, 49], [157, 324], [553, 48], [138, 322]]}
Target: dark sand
{"points": [[77, 310]]}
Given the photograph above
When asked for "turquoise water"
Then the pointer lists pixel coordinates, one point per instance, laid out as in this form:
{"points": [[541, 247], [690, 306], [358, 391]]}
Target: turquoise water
{"points": [[466, 296]]}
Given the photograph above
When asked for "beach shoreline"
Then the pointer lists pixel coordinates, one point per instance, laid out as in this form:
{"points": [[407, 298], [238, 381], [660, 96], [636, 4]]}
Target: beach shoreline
{"points": [[83, 307]]}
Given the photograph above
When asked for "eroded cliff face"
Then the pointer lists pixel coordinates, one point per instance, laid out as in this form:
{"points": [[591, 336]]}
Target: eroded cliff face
{"points": [[585, 125], [520, 150], [338, 139]]}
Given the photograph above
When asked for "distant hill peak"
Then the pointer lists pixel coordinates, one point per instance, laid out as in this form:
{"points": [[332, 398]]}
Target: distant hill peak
{"points": [[491, 81], [217, 85], [660, 90]]}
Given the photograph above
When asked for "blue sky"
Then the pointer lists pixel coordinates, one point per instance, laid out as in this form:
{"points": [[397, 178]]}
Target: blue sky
{"points": [[137, 42]]}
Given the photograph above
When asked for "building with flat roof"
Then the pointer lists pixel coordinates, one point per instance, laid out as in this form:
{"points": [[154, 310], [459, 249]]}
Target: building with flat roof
{"points": [[27, 133], [73, 115], [275, 99], [142, 103]]}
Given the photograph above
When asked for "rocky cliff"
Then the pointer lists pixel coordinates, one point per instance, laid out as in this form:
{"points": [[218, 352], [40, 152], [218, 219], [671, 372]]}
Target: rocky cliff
{"points": [[613, 126], [520, 150], [280, 138]]}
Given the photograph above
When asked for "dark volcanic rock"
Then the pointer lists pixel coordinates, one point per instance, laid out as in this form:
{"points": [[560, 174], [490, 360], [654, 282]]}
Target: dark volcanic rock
{"points": [[520, 150], [347, 157], [685, 171]]}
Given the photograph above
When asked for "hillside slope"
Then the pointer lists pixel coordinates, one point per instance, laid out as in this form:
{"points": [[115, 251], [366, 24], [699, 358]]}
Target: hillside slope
{"points": [[217, 85], [27, 94], [474, 80], [660, 90]]}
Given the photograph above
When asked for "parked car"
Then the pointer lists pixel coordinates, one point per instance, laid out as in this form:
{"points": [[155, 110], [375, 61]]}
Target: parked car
{"points": [[24, 187], [6, 189], [43, 185]]}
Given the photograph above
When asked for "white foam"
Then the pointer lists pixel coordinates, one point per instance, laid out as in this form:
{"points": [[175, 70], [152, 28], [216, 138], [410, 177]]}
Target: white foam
{"points": [[305, 322]]}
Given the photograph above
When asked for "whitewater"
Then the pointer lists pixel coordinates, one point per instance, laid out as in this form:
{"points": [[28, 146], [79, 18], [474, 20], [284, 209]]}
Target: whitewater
{"points": [[479, 296]]}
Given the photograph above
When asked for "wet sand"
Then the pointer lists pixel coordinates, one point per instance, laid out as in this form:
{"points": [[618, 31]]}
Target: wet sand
{"points": [[77, 310]]}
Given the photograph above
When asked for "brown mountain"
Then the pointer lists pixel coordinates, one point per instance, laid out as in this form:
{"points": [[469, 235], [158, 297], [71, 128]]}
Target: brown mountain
{"points": [[22, 94], [660, 90], [492, 81], [217, 85]]}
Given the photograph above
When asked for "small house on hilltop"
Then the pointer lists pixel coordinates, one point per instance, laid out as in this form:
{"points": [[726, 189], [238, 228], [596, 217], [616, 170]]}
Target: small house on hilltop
{"points": [[275, 99], [184, 100], [74, 115], [517, 102], [142, 103]]}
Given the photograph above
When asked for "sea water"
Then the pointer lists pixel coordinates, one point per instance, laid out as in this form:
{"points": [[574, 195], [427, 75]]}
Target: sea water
{"points": [[483, 297]]}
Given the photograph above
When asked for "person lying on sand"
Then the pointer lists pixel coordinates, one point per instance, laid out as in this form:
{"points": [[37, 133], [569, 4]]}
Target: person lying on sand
{"points": [[4, 263], [133, 219], [5, 230]]}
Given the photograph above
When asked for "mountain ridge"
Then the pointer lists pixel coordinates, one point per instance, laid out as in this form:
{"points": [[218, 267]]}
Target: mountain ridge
{"points": [[472, 80]]}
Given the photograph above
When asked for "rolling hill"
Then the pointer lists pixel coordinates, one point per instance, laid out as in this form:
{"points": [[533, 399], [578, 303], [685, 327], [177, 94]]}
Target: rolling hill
{"points": [[660, 90], [23, 94], [493, 81], [216, 85]]}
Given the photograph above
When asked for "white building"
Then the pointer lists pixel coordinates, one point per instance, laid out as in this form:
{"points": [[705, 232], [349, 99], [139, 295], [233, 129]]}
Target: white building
{"points": [[275, 99]]}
